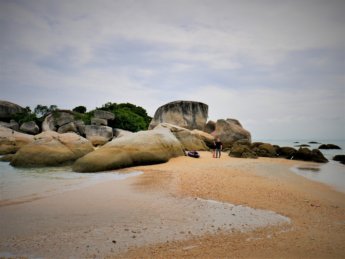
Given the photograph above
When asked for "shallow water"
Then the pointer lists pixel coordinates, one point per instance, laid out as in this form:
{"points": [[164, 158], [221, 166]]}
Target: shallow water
{"points": [[33, 183], [331, 173]]}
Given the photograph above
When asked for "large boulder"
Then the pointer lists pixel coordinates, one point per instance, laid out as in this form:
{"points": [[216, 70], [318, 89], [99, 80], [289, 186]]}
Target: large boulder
{"points": [[30, 127], [98, 135], [204, 136], [140, 148], [99, 122], [210, 127], [8, 110], [339, 158], [11, 125], [265, 150], [187, 114], [11, 141], [68, 127], [100, 114], [229, 131], [306, 154], [52, 149], [242, 151], [190, 140], [118, 133], [63, 119], [286, 152], [329, 146], [80, 127]]}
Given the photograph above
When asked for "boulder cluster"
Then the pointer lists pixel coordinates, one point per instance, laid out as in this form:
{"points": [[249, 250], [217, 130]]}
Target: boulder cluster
{"points": [[258, 149], [175, 128]]}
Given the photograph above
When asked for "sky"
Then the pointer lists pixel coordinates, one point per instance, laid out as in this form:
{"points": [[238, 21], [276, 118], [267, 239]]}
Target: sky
{"points": [[276, 66]]}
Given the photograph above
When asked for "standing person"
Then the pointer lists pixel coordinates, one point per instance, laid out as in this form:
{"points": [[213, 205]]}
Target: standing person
{"points": [[219, 147]]}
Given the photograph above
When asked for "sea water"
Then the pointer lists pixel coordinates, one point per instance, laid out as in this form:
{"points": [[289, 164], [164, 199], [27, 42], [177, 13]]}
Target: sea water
{"points": [[331, 173], [20, 184]]}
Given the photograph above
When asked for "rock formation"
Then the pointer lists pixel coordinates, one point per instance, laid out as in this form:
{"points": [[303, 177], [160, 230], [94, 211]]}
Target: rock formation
{"points": [[190, 140], [339, 158], [30, 127], [286, 152], [229, 131], [63, 121], [11, 125], [187, 114], [52, 149], [144, 147], [57, 119], [105, 115], [329, 146], [306, 154], [242, 151], [264, 150], [11, 141], [118, 133], [8, 110], [98, 135]]}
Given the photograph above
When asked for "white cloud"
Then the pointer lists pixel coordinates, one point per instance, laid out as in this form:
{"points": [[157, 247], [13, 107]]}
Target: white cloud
{"points": [[277, 113], [55, 46]]}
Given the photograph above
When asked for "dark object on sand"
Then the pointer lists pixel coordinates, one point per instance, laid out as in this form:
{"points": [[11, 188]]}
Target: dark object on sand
{"points": [[339, 158], [194, 154], [329, 146]]}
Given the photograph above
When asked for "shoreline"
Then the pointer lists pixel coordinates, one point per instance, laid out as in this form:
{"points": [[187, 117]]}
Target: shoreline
{"points": [[316, 211]]}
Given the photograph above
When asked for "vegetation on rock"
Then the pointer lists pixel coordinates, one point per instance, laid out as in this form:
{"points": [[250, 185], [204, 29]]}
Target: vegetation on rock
{"points": [[127, 116]]}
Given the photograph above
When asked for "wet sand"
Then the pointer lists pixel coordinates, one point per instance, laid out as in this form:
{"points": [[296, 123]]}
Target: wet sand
{"points": [[165, 213]]}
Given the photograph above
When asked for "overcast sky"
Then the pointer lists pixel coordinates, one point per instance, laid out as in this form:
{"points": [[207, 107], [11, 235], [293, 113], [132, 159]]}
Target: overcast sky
{"points": [[276, 66]]}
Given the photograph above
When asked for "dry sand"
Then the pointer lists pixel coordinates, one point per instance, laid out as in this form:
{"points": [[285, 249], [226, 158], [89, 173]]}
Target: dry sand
{"points": [[317, 211], [156, 214]]}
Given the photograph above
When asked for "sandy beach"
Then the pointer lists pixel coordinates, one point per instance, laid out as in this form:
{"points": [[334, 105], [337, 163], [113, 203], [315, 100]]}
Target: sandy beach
{"points": [[181, 209]]}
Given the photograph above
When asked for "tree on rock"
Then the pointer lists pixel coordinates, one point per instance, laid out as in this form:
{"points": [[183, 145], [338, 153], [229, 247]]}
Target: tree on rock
{"points": [[127, 116], [79, 109]]}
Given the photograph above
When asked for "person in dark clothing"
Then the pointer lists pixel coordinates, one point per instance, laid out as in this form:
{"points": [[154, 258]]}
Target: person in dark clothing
{"points": [[218, 146]]}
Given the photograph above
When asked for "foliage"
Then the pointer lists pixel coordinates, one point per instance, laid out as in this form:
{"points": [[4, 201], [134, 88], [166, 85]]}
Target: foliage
{"points": [[42, 110], [25, 116], [127, 116], [85, 117], [79, 109], [128, 120]]}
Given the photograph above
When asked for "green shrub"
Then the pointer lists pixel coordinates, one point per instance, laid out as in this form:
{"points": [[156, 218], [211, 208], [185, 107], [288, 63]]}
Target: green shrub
{"points": [[127, 116], [79, 109]]}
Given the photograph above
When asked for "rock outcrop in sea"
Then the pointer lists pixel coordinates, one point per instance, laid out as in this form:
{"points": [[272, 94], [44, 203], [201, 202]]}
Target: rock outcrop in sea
{"points": [[242, 149]]}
